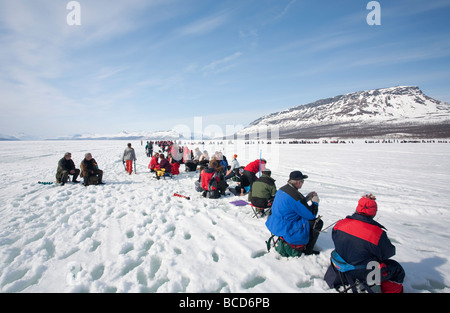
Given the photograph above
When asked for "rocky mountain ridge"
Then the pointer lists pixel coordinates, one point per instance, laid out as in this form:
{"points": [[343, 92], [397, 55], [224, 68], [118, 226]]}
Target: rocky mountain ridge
{"points": [[395, 111]]}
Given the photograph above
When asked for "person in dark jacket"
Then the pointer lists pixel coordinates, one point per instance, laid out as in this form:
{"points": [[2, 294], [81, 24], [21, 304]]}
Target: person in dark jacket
{"points": [[263, 190], [243, 185], [66, 167], [90, 172], [358, 240], [293, 218], [164, 164]]}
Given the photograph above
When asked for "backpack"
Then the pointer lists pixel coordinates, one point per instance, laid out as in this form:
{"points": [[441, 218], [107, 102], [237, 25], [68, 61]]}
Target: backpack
{"points": [[209, 179]]}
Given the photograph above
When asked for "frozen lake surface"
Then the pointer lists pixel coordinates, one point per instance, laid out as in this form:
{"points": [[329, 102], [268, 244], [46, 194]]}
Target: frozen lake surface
{"points": [[133, 235]]}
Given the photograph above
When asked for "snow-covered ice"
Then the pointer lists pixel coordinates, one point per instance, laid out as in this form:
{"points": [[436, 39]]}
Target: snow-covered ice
{"points": [[133, 235]]}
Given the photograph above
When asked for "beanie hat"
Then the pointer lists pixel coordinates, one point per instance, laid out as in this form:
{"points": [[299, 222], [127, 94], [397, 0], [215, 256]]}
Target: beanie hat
{"points": [[367, 206]]}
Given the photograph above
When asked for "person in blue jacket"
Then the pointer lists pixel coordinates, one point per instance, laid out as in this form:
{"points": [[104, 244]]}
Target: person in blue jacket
{"points": [[293, 218]]}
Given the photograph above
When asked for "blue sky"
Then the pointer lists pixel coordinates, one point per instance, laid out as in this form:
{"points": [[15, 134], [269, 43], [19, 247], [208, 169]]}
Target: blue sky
{"points": [[147, 65]]}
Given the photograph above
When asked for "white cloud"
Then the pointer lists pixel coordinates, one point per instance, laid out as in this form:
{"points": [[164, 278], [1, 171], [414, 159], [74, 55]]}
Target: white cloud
{"points": [[107, 72], [222, 64], [286, 9], [205, 25]]}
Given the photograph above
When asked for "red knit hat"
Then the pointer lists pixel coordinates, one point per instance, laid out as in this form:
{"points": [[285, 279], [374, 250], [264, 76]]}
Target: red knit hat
{"points": [[367, 206]]}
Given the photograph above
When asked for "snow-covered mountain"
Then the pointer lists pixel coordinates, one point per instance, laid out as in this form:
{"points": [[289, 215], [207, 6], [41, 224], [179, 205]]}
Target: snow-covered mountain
{"points": [[401, 110]]}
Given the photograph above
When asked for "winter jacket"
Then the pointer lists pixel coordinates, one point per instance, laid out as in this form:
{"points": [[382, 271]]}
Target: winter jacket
{"points": [[153, 163], [263, 191], [129, 155], [234, 165], [175, 168], [291, 215], [209, 179], [224, 164], [88, 166], [164, 163], [65, 165], [358, 239], [254, 166]]}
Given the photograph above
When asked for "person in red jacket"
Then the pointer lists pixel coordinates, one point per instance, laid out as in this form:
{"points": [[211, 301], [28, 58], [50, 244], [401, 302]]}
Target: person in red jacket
{"points": [[359, 240], [154, 165], [175, 166], [209, 180], [253, 168]]}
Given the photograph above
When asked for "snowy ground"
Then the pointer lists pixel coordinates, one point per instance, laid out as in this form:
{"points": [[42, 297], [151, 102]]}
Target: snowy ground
{"points": [[132, 235]]}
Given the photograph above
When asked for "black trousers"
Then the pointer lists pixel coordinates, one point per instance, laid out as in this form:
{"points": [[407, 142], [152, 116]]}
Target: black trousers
{"points": [[315, 228]]}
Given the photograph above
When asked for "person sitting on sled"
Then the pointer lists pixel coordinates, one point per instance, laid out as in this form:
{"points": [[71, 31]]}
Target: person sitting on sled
{"points": [[358, 240], [164, 164], [66, 167], [293, 219]]}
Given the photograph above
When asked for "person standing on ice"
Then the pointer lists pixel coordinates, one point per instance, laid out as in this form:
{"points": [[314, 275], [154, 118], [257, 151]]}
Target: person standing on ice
{"points": [[358, 240], [66, 167], [128, 157], [293, 219]]}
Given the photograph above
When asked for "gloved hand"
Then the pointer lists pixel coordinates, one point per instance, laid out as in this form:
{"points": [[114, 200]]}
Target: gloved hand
{"points": [[315, 199]]}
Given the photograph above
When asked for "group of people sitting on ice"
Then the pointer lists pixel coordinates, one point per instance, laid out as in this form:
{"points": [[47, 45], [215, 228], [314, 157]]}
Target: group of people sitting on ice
{"points": [[90, 172], [293, 221], [295, 225]]}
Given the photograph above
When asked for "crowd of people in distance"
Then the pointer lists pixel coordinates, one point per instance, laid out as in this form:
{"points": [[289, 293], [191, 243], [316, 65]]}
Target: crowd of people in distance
{"points": [[292, 218]]}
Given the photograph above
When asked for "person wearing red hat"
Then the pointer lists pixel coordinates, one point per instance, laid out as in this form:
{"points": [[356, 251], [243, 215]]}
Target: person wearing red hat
{"points": [[359, 240], [234, 169]]}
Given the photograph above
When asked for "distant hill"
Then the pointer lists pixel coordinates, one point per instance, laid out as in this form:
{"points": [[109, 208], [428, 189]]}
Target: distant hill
{"points": [[397, 111], [126, 135]]}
